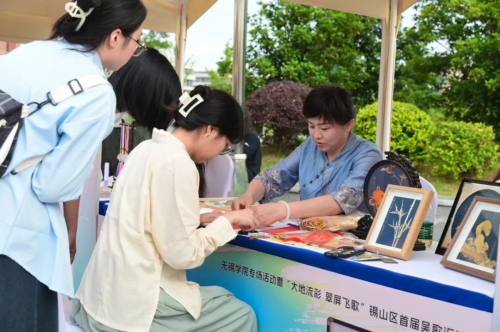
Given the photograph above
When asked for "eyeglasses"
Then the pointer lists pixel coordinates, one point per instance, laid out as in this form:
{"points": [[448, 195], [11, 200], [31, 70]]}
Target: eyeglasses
{"points": [[141, 47], [228, 149]]}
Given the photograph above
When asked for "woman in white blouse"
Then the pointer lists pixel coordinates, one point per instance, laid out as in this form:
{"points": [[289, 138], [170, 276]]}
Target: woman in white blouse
{"points": [[136, 279]]}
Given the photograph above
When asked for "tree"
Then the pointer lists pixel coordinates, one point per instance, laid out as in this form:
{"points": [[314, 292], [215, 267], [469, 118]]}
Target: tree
{"points": [[225, 64], [456, 51], [416, 83], [314, 46], [159, 40], [278, 106], [220, 83], [221, 79]]}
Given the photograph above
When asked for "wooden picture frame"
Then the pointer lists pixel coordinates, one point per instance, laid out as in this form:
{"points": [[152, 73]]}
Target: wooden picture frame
{"points": [[476, 241], [469, 188], [398, 221]]}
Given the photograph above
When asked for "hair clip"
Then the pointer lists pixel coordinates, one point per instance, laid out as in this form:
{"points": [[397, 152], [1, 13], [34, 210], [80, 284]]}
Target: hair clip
{"points": [[75, 11], [185, 100]]}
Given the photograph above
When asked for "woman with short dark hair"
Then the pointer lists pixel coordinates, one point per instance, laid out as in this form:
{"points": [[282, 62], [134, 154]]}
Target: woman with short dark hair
{"points": [[34, 256], [331, 165]]}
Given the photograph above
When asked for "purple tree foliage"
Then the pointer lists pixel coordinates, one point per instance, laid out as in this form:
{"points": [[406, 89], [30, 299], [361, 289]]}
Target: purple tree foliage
{"points": [[278, 106]]}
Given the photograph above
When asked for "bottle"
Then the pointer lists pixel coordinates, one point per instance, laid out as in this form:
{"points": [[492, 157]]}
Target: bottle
{"points": [[426, 231]]}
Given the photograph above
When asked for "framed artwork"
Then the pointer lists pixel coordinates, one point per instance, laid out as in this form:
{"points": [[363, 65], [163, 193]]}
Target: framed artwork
{"points": [[474, 248], [469, 189], [396, 170], [398, 221]]}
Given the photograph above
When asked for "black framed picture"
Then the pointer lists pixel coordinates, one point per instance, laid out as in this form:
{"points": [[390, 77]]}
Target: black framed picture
{"points": [[468, 190], [381, 175]]}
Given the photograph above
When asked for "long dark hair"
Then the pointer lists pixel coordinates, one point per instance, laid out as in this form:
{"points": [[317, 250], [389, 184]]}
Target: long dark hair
{"points": [[219, 109], [107, 16], [202, 188], [148, 88]]}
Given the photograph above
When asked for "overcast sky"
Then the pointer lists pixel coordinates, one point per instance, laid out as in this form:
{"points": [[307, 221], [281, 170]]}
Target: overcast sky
{"points": [[207, 37]]}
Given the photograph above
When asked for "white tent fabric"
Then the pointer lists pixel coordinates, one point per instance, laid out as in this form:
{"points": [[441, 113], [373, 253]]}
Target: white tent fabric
{"points": [[22, 21]]}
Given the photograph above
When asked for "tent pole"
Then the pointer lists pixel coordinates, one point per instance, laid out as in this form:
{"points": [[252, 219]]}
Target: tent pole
{"points": [[240, 179], [180, 51], [387, 69], [382, 85]]}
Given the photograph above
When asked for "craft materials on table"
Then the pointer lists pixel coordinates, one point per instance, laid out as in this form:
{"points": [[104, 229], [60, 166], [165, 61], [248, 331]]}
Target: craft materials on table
{"points": [[333, 223], [217, 203]]}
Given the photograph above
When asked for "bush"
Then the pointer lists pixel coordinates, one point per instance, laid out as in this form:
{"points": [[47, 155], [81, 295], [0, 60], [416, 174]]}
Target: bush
{"points": [[452, 148], [461, 148], [278, 106], [411, 130]]}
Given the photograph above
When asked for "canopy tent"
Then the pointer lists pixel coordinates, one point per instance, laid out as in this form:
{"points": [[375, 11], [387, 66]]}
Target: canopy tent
{"points": [[389, 12], [26, 20], [22, 21]]}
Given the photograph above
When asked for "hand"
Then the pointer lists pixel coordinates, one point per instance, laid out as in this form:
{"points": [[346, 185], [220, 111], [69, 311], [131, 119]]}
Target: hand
{"points": [[72, 248], [270, 213], [210, 216], [245, 201], [246, 219]]}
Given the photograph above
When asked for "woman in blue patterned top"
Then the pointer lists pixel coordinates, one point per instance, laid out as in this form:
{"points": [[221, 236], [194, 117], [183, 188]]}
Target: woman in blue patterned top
{"points": [[330, 166]]}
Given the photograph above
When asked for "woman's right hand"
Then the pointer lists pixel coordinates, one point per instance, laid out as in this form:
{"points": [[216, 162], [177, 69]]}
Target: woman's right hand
{"points": [[243, 202], [246, 219]]}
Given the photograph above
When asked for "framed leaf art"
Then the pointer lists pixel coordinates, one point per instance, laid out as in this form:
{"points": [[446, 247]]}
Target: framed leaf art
{"points": [[398, 221]]}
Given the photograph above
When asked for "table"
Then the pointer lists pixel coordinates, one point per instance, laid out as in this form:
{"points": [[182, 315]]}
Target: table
{"points": [[294, 289]]}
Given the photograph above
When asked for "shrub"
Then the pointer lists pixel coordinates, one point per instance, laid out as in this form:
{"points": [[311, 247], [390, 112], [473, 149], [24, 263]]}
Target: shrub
{"points": [[461, 148], [452, 148], [411, 130], [278, 106]]}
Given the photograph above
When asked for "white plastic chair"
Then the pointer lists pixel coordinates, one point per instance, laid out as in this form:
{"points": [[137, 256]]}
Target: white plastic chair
{"points": [[219, 173], [434, 204]]}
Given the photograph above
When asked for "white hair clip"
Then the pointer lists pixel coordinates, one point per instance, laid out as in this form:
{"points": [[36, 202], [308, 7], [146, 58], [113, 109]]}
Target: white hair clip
{"points": [[185, 100], [74, 11]]}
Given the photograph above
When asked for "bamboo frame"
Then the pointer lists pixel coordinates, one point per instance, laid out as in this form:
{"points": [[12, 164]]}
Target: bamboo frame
{"points": [[413, 230], [459, 267]]}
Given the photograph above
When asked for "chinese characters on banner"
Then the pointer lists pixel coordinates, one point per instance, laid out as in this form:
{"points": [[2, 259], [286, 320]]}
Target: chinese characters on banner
{"points": [[396, 318]]}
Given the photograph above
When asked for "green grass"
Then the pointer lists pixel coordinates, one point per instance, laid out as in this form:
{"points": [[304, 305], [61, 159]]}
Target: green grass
{"points": [[444, 186], [449, 187], [271, 155]]}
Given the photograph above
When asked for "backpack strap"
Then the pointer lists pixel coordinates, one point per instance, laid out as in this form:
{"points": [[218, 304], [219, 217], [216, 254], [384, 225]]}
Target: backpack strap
{"points": [[75, 87], [56, 96]]}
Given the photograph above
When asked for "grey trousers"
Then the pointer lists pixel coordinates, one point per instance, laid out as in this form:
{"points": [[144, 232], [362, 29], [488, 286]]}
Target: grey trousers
{"points": [[26, 305]]}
